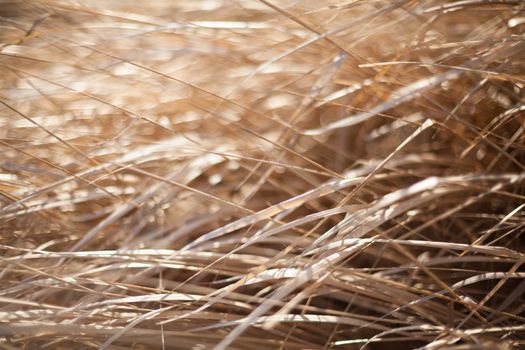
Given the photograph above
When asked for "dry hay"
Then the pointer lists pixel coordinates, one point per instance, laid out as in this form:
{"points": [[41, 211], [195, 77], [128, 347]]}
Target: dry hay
{"points": [[262, 174]]}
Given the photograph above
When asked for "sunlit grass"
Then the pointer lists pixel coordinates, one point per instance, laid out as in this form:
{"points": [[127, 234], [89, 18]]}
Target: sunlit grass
{"points": [[262, 174]]}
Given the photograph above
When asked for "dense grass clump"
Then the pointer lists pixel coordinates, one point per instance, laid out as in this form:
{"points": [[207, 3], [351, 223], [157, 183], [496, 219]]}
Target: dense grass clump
{"points": [[263, 174]]}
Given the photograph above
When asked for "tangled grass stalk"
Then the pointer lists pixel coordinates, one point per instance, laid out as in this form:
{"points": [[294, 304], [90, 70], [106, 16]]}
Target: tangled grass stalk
{"points": [[238, 174]]}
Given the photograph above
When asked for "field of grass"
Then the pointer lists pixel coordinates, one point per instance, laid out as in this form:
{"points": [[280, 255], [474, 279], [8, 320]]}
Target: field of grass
{"points": [[266, 174]]}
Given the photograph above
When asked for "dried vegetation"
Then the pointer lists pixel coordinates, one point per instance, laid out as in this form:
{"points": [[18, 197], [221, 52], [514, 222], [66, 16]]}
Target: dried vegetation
{"points": [[262, 174]]}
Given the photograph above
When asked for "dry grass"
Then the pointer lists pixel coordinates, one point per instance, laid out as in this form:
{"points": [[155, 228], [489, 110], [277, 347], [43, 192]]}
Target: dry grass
{"points": [[262, 174]]}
